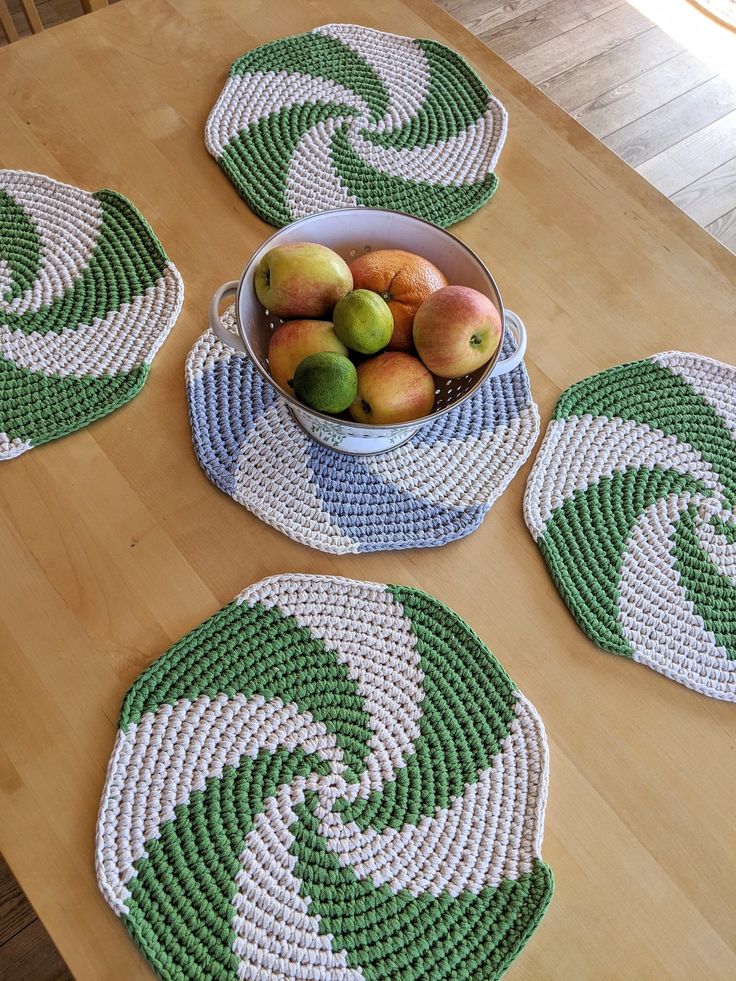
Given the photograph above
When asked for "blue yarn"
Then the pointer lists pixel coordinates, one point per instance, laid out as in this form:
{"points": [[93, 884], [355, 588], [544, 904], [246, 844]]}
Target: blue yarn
{"points": [[380, 516], [227, 397]]}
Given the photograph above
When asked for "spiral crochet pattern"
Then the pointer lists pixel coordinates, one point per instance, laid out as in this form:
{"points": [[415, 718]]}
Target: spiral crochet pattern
{"points": [[347, 116], [327, 779], [432, 490], [631, 502], [87, 296]]}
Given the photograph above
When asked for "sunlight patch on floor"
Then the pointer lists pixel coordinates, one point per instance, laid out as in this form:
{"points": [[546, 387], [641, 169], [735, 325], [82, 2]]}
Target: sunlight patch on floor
{"points": [[713, 43]]}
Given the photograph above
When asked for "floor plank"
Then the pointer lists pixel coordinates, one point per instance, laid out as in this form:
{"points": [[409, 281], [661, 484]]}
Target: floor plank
{"points": [[630, 83], [557, 54], [601, 73], [665, 173], [556, 17], [26, 950], [724, 229], [15, 910], [674, 121], [626, 103], [707, 149], [482, 17], [30, 956], [710, 196]]}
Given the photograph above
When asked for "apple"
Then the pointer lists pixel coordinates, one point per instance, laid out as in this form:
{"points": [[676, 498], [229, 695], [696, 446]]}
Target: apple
{"points": [[392, 387], [456, 330], [301, 279], [293, 341]]}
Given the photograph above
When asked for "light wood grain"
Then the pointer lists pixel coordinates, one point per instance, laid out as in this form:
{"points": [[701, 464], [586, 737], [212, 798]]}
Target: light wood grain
{"points": [[711, 196], [593, 76], [593, 37], [31, 16], [724, 229], [686, 161], [114, 543], [635, 98], [673, 121], [540, 24], [480, 15], [624, 78]]}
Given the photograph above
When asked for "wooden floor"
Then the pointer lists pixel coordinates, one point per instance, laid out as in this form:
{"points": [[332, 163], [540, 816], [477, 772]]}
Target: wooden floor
{"points": [[26, 952], [649, 99], [642, 93]]}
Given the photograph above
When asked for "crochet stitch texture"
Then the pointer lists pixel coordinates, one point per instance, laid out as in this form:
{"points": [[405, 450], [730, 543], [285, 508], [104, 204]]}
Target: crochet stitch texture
{"points": [[87, 296], [327, 779], [345, 116], [434, 489], [631, 502]]}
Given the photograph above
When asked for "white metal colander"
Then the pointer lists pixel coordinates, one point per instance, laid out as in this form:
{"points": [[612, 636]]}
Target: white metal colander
{"points": [[350, 232]]}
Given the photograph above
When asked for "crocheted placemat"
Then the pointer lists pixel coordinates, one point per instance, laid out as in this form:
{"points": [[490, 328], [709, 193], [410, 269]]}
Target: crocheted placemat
{"points": [[87, 296], [631, 501], [347, 116], [327, 779], [432, 490]]}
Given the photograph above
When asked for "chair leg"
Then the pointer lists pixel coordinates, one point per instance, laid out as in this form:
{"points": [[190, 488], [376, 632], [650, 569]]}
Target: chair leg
{"points": [[6, 22], [34, 21], [90, 5]]}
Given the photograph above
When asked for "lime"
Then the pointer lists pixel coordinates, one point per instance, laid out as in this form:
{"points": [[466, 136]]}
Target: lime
{"points": [[363, 321], [326, 381]]}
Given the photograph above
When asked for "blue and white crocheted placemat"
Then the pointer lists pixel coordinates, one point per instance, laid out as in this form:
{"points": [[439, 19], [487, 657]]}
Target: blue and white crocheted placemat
{"points": [[432, 490]]}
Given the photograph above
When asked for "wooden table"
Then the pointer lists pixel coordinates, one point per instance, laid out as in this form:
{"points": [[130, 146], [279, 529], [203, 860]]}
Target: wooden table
{"points": [[113, 543]]}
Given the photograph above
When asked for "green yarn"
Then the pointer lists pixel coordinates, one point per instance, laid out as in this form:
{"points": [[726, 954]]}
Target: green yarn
{"points": [[631, 502], [442, 204], [126, 261], [456, 99], [292, 665], [320, 57], [466, 732], [224, 839], [345, 116], [180, 911], [20, 248], [649, 393], [258, 159], [88, 297], [39, 408], [397, 935], [712, 594], [589, 532]]}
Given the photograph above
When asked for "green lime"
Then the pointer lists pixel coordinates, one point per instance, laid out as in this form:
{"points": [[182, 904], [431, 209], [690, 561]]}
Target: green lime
{"points": [[326, 381], [363, 321]]}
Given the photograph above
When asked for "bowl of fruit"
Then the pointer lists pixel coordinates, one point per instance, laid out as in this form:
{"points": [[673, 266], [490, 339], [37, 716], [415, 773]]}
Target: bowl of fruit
{"points": [[370, 324]]}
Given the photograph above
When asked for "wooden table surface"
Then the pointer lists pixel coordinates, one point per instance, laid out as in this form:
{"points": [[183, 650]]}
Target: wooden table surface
{"points": [[113, 542]]}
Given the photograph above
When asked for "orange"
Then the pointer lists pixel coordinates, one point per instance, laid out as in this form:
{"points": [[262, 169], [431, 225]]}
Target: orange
{"points": [[404, 280]]}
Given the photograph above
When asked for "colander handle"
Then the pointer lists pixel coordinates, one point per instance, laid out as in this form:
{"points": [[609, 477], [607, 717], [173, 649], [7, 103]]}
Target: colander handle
{"points": [[216, 325], [515, 326]]}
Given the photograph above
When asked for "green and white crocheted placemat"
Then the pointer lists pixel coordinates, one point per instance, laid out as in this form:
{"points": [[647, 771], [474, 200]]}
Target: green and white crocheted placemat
{"points": [[327, 779], [346, 116], [631, 501], [87, 296]]}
